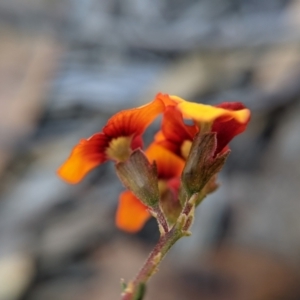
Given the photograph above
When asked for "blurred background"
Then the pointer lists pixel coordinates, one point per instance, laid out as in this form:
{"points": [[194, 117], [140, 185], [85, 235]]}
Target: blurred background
{"points": [[67, 65]]}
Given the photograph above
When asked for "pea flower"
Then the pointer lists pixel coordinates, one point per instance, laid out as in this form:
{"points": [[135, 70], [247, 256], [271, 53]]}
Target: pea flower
{"points": [[119, 137], [132, 214], [227, 120], [171, 177], [122, 135]]}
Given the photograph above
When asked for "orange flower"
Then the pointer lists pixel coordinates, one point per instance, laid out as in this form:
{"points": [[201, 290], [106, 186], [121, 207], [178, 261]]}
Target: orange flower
{"points": [[227, 120], [168, 164], [132, 214], [119, 137], [122, 134], [175, 135]]}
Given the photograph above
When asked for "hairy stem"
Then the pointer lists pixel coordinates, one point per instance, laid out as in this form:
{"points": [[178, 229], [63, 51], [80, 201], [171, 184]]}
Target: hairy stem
{"points": [[162, 222], [150, 266], [167, 240]]}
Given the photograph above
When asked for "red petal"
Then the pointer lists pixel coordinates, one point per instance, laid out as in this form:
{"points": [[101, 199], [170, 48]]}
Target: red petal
{"points": [[171, 146], [137, 142], [132, 214], [166, 99], [174, 131], [231, 105], [133, 121], [227, 130], [174, 128], [168, 164], [85, 156], [174, 185]]}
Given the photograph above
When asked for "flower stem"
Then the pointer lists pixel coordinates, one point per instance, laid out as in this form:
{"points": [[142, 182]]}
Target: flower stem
{"points": [[150, 266], [167, 240], [161, 220]]}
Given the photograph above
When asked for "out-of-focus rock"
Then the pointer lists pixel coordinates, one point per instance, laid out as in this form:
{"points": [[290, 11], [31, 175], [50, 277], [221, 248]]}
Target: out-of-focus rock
{"points": [[16, 272]]}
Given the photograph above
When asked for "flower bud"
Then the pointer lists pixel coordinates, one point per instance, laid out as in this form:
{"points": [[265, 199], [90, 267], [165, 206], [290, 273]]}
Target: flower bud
{"points": [[140, 177]]}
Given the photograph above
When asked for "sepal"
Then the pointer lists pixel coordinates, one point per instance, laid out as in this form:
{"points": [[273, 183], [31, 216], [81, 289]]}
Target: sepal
{"points": [[202, 164], [140, 176]]}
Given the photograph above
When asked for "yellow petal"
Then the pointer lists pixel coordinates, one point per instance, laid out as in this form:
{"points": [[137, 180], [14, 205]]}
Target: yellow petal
{"points": [[207, 113]]}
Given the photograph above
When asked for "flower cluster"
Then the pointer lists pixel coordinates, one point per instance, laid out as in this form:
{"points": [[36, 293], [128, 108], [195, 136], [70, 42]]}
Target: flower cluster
{"points": [[183, 159]]}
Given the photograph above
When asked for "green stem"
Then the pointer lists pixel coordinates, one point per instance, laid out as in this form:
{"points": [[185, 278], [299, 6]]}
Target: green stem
{"points": [[166, 241], [161, 220], [150, 266]]}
